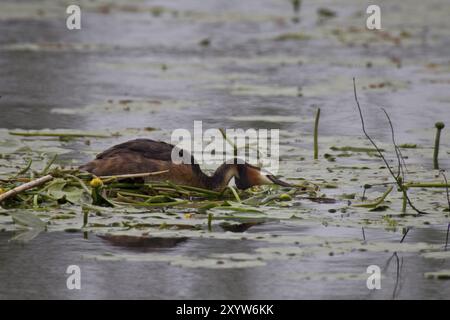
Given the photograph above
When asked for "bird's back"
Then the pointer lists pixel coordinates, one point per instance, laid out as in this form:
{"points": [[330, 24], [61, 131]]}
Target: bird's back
{"points": [[143, 156], [147, 148]]}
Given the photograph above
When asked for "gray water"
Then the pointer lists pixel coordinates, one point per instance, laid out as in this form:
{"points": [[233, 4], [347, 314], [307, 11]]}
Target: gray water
{"points": [[37, 270], [119, 54]]}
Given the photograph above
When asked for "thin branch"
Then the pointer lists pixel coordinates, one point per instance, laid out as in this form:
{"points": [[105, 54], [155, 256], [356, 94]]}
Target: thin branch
{"points": [[365, 132], [399, 183], [25, 187], [400, 168], [401, 160]]}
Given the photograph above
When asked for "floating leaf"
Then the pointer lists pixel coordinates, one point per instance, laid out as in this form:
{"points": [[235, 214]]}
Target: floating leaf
{"points": [[439, 275], [27, 219]]}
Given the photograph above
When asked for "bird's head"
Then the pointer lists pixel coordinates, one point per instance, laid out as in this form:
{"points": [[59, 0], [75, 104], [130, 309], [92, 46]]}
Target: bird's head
{"points": [[249, 176]]}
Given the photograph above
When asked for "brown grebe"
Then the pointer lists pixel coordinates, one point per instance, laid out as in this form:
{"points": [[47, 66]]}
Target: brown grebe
{"points": [[145, 155]]}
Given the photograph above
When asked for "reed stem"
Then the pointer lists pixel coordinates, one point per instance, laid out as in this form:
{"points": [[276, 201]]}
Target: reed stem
{"points": [[316, 133], [439, 126]]}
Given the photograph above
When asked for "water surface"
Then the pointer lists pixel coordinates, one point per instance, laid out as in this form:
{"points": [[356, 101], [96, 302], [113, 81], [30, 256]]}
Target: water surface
{"points": [[135, 66]]}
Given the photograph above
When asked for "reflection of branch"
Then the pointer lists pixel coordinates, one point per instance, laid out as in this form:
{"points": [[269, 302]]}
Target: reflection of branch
{"points": [[448, 200], [388, 262], [396, 178], [398, 276], [398, 272], [446, 188], [446, 238]]}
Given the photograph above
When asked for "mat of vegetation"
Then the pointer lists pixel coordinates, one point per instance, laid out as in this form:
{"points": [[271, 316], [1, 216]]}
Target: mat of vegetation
{"points": [[348, 186]]}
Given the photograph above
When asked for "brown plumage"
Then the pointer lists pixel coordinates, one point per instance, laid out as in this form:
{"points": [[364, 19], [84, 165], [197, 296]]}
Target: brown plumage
{"points": [[145, 155]]}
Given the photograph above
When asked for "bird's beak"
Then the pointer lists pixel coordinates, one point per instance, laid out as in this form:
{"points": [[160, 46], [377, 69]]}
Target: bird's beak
{"points": [[273, 179]]}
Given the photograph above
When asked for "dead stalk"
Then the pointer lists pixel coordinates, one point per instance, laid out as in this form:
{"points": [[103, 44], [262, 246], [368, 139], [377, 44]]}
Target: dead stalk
{"points": [[25, 186]]}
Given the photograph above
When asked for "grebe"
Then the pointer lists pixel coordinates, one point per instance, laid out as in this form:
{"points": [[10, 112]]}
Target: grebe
{"points": [[145, 155]]}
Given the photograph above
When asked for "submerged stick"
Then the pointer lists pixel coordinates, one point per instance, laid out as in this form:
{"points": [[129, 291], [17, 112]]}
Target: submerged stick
{"points": [[24, 187], [316, 133], [439, 126]]}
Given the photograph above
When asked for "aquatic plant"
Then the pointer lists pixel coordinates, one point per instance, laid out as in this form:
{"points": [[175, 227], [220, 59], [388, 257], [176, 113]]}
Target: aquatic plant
{"points": [[316, 134], [439, 126]]}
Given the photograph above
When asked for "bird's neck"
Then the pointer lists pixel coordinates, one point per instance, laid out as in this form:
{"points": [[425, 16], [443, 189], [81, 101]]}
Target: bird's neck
{"points": [[221, 177]]}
